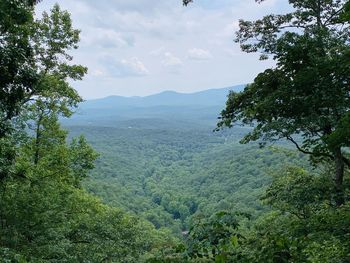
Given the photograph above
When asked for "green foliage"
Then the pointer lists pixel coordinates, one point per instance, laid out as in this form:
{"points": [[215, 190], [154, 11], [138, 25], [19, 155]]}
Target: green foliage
{"points": [[175, 180], [215, 238], [35, 63], [298, 192], [346, 12], [168, 176], [303, 222], [304, 99], [17, 73], [35, 68], [49, 222], [45, 215], [306, 94]]}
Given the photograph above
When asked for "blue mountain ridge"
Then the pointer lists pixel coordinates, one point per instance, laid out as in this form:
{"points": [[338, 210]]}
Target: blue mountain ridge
{"points": [[162, 110], [211, 97]]}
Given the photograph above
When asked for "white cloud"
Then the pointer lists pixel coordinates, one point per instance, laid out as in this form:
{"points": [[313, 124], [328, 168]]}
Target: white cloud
{"points": [[144, 6], [199, 54], [171, 63], [134, 67], [124, 68], [170, 60], [125, 39], [106, 38], [97, 73]]}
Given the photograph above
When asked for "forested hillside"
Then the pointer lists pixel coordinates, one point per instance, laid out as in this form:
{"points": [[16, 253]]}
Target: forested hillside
{"points": [[167, 166], [249, 173]]}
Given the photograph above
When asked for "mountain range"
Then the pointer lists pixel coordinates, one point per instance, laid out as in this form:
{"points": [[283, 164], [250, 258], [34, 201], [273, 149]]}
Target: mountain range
{"points": [[211, 97], [168, 108]]}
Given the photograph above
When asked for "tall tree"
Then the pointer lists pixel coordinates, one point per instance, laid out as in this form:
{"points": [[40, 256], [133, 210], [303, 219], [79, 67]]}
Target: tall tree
{"points": [[45, 214], [32, 51], [17, 70], [305, 98], [35, 67]]}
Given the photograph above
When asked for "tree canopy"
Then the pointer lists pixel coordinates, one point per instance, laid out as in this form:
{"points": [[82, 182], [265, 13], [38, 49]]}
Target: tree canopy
{"points": [[34, 52], [305, 98]]}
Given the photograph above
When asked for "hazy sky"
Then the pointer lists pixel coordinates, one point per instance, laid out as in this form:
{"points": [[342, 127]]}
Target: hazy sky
{"points": [[141, 47]]}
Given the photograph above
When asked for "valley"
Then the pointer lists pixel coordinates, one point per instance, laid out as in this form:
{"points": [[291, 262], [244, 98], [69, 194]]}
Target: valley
{"points": [[164, 162]]}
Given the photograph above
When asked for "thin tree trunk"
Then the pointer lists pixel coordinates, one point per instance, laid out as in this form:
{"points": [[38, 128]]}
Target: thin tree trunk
{"points": [[37, 141], [339, 176]]}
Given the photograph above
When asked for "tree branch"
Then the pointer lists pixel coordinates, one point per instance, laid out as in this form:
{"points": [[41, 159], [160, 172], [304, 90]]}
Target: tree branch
{"points": [[345, 160], [289, 138], [333, 15], [308, 152]]}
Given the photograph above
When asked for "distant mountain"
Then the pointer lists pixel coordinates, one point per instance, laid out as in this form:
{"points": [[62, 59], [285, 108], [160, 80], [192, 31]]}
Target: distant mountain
{"points": [[212, 97], [167, 109]]}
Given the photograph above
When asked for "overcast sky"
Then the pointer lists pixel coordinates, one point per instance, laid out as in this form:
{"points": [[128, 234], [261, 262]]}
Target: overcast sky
{"points": [[142, 47]]}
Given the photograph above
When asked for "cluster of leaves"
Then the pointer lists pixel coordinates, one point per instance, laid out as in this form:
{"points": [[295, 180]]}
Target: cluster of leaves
{"points": [[304, 226], [215, 238]]}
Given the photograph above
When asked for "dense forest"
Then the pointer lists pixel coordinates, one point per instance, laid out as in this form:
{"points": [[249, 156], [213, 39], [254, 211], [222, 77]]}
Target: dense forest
{"points": [[167, 177], [135, 180]]}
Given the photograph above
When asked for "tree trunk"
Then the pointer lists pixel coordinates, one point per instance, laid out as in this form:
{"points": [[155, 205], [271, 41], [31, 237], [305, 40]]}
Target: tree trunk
{"points": [[339, 176], [37, 141]]}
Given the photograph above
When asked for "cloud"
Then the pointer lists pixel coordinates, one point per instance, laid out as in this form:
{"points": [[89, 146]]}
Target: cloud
{"points": [[171, 62], [125, 68], [199, 54], [156, 37], [157, 52], [107, 38], [144, 6], [168, 60], [97, 73]]}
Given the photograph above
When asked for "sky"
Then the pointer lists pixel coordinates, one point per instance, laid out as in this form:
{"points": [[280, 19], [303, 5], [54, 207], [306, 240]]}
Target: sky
{"points": [[143, 47]]}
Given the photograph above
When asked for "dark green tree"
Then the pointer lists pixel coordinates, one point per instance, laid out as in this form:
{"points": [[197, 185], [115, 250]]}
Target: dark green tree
{"points": [[31, 52], [17, 70], [35, 67], [303, 226], [45, 214], [214, 238], [346, 14], [305, 98]]}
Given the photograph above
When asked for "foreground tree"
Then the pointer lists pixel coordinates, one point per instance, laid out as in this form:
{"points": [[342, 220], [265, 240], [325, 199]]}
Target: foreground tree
{"points": [[31, 51], [45, 215], [302, 227], [305, 98], [35, 67]]}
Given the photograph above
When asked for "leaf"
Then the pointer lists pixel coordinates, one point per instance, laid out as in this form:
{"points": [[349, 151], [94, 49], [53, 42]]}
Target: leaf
{"points": [[234, 241], [220, 259]]}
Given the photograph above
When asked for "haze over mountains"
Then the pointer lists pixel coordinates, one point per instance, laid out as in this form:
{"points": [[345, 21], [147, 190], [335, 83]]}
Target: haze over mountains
{"points": [[211, 97], [165, 109]]}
